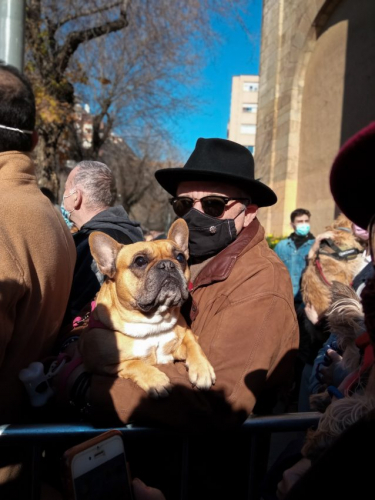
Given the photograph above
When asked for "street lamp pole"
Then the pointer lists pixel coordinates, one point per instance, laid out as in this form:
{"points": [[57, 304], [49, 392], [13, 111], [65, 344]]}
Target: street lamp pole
{"points": [[12, 32]]}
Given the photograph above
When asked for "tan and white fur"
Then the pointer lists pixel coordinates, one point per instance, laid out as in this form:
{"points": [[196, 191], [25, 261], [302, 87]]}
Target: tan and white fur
{"points": [[139, 306], [314, 290]]}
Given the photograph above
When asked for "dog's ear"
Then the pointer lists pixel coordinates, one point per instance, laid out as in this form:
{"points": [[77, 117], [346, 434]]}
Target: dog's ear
{"points": [[104, 249], [179, 233]]}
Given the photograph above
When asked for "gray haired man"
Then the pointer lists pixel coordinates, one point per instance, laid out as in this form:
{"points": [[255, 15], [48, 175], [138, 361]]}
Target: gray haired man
{"points": [[88, 198]]}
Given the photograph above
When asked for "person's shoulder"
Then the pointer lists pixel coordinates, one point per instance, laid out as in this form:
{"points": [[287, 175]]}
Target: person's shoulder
{"points": [[275, 262], [117, 235], [276, 272], [311, 239], [264, 263], [282, 244]]}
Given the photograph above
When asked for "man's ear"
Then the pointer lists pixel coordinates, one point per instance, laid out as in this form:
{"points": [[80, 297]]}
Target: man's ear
{"points": [[77, 199], [250, 213], [179, 233], [104, 249]]}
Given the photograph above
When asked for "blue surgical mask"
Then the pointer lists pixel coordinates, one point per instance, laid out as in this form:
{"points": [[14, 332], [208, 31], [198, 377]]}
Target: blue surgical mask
{"points": [[66, 214], [302, 229]]}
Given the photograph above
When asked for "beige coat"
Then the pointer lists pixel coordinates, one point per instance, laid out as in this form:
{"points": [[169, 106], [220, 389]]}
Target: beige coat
{"points": [[244, 316], [37, 257]]}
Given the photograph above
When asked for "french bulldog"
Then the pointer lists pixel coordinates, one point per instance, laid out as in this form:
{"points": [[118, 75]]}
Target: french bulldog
{"points": [[137, 320]]}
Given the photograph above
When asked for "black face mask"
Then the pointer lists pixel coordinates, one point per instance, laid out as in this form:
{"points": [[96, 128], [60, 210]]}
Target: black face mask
{"points": [[208, 235]]}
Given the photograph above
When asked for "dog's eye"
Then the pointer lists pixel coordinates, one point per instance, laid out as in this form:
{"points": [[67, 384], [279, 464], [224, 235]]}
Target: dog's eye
{"points": [[140, 261], [181, 258]]}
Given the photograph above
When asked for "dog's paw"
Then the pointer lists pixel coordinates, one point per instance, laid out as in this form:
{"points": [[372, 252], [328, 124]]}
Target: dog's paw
{"points": [[157, 384], [201, 374], [149, 378]]}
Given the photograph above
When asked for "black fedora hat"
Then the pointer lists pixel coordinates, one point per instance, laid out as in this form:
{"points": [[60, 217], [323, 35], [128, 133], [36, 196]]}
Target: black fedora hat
{"points": [[352, 177], [219, 160]]}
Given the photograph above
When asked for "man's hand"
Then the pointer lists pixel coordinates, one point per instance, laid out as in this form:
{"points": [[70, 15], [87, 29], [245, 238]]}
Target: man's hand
{"points": [[318, 240], [311, 313], [326, 372], [143, 492]]}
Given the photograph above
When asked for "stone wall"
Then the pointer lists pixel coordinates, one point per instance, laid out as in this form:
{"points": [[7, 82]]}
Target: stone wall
{"points": [[317, 78]]}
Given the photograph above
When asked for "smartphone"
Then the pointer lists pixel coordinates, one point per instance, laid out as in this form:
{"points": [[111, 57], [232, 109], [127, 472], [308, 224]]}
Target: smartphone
{"points": [[97, 469]]}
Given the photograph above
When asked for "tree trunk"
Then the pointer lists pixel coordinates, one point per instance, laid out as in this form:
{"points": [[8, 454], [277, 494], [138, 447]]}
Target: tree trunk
{"points": [[46, 159]]}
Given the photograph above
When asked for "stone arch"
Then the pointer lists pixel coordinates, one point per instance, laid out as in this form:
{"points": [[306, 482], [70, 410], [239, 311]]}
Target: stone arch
{"points": [[279, 130], [333, 107], [303, 44]]}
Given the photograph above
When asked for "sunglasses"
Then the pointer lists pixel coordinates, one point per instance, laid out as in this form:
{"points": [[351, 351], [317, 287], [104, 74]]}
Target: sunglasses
{"points": [[211, 205]]}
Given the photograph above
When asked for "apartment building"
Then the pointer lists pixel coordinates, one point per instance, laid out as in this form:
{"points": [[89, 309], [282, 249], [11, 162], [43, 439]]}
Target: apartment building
{"points": [[243, 110]]}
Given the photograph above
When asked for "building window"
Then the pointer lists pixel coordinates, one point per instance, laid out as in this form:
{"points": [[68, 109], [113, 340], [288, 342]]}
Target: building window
{"points": [[248, 129], [249, 108], [250, 86]]}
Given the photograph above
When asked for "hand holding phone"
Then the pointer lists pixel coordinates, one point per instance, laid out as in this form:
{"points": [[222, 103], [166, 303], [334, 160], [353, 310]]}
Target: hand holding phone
{"points": [[97, 469], [143, 492]]}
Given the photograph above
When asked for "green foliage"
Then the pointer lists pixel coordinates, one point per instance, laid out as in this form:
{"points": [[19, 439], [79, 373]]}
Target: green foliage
{"points": [[274, 240]]}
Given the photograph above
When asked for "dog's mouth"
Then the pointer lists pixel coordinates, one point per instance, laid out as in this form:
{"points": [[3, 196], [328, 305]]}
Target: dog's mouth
{"points": [[171, 292]]}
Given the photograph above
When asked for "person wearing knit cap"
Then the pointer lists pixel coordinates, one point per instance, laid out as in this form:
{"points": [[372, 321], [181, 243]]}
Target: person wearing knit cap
{"points": [[352, 182]]}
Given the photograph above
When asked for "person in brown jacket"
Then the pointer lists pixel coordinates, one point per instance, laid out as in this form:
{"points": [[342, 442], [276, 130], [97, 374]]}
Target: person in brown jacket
{"points": [[242, 312], [36, 247], [242, 301]]}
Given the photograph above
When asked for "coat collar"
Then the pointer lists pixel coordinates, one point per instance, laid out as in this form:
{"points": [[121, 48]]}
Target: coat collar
{"points": [[15, 165], [220, 267]]}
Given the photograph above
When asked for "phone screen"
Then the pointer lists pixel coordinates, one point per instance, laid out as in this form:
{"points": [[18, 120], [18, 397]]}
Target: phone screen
{"points": [[108, 481]]}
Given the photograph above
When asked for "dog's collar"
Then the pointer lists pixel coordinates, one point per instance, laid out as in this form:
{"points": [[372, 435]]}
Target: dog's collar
{"points": [[338, 253]]}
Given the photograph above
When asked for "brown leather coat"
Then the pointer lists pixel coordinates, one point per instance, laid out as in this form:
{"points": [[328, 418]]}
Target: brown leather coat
{"points": [[243, 314]]}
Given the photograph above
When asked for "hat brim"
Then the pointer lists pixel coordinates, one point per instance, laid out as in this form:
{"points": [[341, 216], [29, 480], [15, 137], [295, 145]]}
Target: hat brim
{"points": [[260, 194], [352, 177]]}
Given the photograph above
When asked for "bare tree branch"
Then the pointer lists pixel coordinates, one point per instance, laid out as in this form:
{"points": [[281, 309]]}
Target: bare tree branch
{"points": [[135, 80], [75, 38], [88, 12]]}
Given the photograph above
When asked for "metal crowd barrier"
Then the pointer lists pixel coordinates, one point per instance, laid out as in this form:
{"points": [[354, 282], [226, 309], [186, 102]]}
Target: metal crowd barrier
{"points": [[37, 436]]}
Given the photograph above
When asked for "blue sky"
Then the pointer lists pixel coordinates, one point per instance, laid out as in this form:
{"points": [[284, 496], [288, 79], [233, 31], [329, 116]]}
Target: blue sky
{"points": [[238, 54]]}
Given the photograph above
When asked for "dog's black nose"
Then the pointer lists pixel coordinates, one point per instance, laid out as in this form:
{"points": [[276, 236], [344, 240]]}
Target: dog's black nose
{"points": [[166, 265]]}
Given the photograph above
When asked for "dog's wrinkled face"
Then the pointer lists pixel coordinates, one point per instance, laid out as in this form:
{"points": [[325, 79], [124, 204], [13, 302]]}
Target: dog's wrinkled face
{"points": [[148, 276]]}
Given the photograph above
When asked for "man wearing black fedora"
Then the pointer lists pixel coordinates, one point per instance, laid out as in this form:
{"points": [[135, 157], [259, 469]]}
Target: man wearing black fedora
{"points": [[242, 301], [352, 179], [242, 312]]}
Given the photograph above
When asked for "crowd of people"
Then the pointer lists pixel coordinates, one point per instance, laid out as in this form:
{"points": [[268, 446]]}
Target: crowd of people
{"points": [[290, 328]]}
